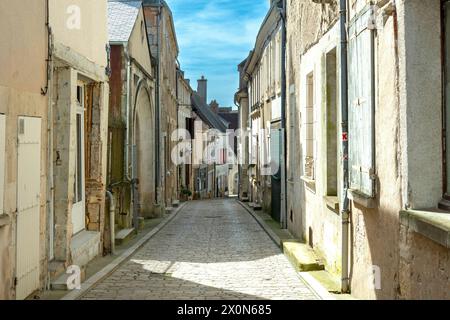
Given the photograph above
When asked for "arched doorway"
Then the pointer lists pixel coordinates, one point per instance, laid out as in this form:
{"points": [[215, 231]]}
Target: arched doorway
{"points": [[144, 145]]}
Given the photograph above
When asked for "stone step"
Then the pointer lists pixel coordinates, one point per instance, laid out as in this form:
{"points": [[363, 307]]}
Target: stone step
{"points": [[85, 247], [56, 268], [60, 283], [176, 203], [257, 207], [124, 235], [330, 282], [244, 199], [169, 210], [302, 257]]}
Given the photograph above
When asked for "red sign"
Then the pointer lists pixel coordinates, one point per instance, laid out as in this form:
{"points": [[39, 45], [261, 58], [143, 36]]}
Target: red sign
{"points": [[344, 136]]}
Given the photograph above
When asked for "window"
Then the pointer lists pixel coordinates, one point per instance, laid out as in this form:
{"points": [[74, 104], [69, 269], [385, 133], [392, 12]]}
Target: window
{"points": [[310, 128], [331, 124], [292, 122], [361, 107], [446, 88], [78, 208], [2, 160]]}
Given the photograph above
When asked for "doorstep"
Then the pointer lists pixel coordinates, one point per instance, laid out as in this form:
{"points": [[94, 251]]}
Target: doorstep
{"points": [[325, 284], [282, 238], [85, 246], [123, 253], [102, 266], [124, 236], [302, 256]]}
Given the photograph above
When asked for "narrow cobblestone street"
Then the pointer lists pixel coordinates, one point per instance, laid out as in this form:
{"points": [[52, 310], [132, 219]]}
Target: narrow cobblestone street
{"points": [[211, 250]]}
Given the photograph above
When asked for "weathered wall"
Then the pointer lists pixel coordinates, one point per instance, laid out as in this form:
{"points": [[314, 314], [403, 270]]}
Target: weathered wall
{"points": [[308, 216], [307, 22], [168, 53], [138, 44], [372, 229], [424, 264], [23, 51], [375, 231], [80, 37]]}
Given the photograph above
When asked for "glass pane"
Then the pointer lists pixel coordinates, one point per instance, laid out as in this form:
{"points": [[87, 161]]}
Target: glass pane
{"points": [[79, 171], [447, 88]]}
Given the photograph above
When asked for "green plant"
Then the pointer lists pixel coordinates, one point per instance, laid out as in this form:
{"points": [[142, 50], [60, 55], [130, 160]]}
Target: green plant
{"points": [[186, 192]]}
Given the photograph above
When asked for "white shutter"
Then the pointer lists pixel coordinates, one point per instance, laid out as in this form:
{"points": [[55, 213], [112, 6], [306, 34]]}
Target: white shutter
{"points": [[361, 105]]}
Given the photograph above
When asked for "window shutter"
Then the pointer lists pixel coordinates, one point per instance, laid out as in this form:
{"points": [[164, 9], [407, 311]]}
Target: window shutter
{"points": [[275, 152], [361, 105]]}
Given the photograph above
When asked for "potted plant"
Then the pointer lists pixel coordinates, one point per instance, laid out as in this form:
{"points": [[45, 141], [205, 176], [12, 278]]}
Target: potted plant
{"points": [[186, 194]]}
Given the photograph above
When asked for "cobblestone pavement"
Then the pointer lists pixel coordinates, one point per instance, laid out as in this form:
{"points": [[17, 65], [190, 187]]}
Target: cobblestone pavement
{"points": [[211, 250]]}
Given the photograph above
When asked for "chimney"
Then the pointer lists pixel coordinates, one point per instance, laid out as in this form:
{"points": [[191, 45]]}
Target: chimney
{"points": [[214, 106], [202, 89]]}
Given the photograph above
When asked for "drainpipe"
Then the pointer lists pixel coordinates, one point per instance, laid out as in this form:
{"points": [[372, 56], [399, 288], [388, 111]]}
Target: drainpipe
{"points": [[158, 107], [127, 127], [127, 162], [112, 215], [48, 90], [283, 119], [345, 213], [239, 151]]}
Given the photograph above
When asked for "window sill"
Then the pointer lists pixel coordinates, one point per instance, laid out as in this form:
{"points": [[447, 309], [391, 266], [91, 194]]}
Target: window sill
{"points": [[4, 220], [433, 224], [362, 199], [310, 183], [332, 203]]}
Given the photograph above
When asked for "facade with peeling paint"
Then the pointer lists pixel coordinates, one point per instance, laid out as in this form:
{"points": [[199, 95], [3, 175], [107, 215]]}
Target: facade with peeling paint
{"points": [[132, 118], [398, 222], [79, 106], [164, 47], [56, 217]]}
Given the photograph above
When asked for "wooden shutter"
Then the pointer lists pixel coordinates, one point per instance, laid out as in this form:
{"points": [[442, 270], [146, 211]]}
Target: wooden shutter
{"points": [[275, 152], [361, 104]]}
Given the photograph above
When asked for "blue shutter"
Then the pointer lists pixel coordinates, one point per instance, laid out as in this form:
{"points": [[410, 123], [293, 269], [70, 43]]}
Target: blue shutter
{"points": [[275, 152], [361, 105]]}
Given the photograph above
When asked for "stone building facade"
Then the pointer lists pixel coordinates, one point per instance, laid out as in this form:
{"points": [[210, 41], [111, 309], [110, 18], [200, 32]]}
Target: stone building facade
{"points": [[164, 47], [132, 120], [261, 91], [185, 127], [398, 222], [56, 217], [23, 81], [79, 100]]}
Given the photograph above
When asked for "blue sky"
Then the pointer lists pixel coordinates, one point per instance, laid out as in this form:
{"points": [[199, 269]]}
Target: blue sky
{"points": [[214, 37]]}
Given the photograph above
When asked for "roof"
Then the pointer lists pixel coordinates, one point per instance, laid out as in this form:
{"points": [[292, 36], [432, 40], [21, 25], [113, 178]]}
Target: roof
{"points": [[232, 118], [163, 4], [122, 17], [268, 26], [206, 114]]}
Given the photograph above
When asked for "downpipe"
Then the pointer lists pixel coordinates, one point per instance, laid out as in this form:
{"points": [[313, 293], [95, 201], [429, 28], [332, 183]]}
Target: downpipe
{"points": [[48, 91], [112, 215], [345, 213], [127, 162], [284, 209]]}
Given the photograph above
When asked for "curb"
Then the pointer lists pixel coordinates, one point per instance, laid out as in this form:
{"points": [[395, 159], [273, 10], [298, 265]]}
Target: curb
{"points": [[111, 267], [305, 277], [315, 286], [272, 235]]}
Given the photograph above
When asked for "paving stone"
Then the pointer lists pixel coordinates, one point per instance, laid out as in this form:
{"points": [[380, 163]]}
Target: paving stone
{"points": [[212, 250]]}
